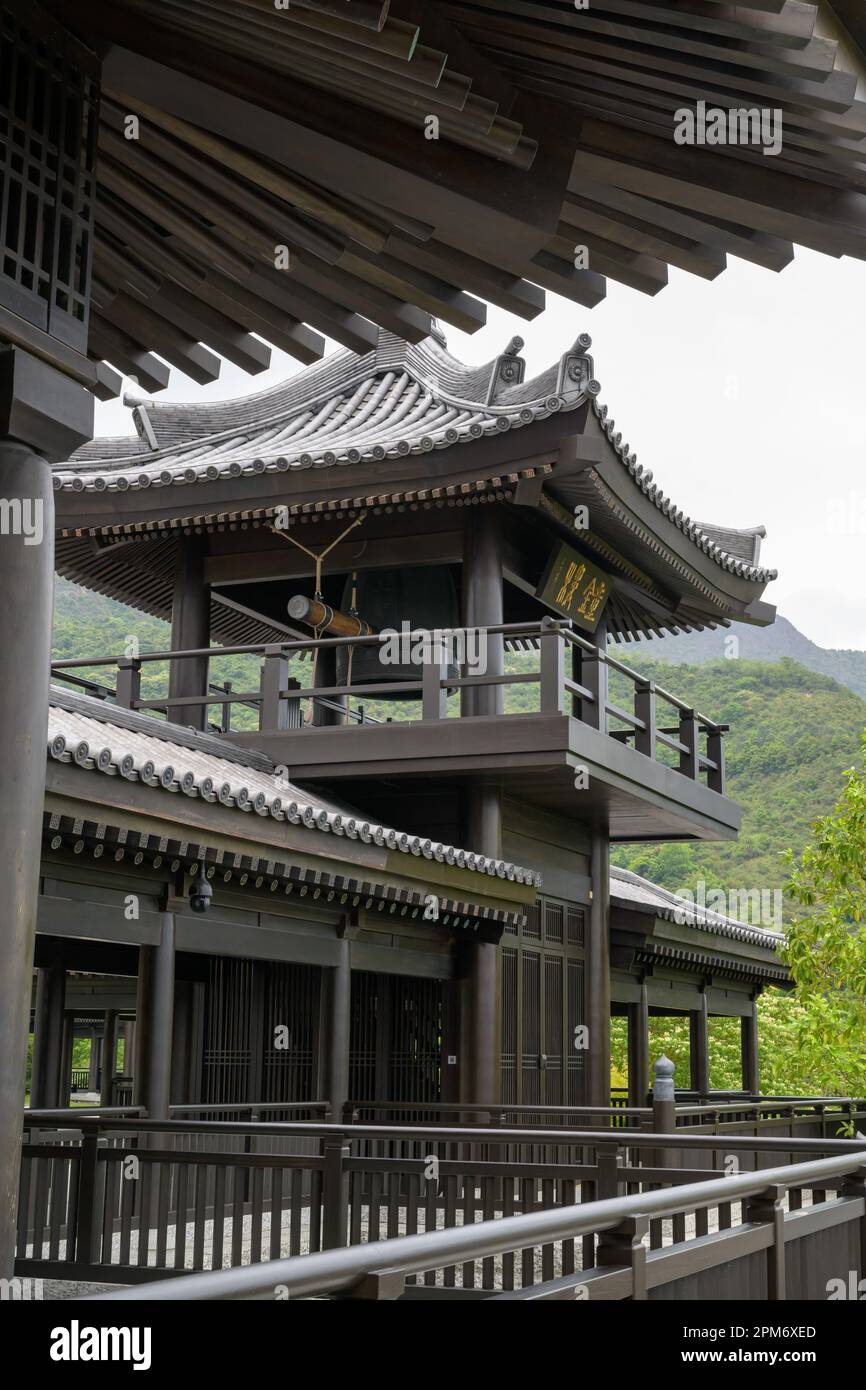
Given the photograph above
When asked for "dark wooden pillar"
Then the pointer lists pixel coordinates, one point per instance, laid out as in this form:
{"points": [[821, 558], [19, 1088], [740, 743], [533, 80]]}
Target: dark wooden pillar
{"points": [[47, 1038], [45, 415], [340, 1004], [93, 1064], [26, 583], [143, 1006], [190, 629], [68, 1038], [109, 1057], [749, 1050], [483, 601], [480, 1050], [638, 1049], [155, 1020], [480, 1063], [127, 1029], [594, 675], [699, 1048], [598, 971]]}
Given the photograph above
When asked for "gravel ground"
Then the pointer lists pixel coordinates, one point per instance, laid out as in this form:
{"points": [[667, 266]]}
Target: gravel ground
{"points": [[65, 1289]]}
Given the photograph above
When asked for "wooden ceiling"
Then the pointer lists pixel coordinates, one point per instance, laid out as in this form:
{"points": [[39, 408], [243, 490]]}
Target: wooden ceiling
{"points": [[307, 127]]}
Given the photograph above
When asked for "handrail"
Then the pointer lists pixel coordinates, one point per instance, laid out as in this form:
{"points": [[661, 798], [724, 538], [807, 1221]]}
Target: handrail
{"points": [[339, 1270], [84, 1112], [137, 1118], [462, 1107], [560, 693], [259, 1107], [301, 645], [630, 1138]]}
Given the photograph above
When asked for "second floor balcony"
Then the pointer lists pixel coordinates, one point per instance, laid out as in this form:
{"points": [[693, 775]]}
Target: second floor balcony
{"points": [[568, 727]]}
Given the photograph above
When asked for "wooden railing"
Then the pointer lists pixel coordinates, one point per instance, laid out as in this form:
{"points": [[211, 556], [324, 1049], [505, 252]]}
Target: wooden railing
{"points": [[533, 1255], [582, 690], [128, 1200]]}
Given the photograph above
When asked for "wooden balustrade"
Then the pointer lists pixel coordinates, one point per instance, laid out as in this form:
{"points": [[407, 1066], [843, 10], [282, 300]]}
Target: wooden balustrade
{"points": [[573, 677], [128, 1200]]}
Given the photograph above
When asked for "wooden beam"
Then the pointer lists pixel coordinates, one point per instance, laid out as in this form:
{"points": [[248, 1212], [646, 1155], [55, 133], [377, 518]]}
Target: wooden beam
{"points": [[444, 189], [724, 187]]}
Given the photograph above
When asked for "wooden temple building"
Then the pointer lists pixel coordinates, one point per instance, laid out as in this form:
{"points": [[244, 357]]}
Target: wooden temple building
{"points": [[423, 892], [403, 865]]}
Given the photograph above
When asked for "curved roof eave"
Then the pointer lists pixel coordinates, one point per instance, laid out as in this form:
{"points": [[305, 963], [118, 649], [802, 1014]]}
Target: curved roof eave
{"points": [[353, 413]]}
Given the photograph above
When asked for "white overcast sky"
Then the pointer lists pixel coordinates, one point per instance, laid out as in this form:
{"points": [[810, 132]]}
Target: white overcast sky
{"points": [[745, 395]]}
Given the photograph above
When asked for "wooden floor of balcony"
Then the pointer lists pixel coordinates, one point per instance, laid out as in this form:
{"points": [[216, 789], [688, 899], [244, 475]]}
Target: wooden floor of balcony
{"points": [[542, 759]]}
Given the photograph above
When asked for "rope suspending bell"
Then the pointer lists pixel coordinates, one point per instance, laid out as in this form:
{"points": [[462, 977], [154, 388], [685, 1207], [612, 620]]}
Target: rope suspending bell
{"points": [[319, 615]]}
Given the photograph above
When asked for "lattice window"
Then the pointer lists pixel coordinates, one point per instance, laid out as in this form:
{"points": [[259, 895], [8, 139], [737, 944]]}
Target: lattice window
{"points": [[396, 1033], [553, 918], [532, 925], [245, 1002], [48, 117], [291, 1000], [575, 919]]}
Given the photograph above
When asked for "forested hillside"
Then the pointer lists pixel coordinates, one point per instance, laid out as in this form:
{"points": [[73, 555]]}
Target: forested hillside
{"points": [[793, 731], [772, 643]]}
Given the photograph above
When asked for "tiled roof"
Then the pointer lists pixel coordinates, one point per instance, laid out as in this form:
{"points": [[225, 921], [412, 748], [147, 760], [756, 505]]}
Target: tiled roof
{"points": [[402, 398], [631, 888], [95, 735], [399, 399]]}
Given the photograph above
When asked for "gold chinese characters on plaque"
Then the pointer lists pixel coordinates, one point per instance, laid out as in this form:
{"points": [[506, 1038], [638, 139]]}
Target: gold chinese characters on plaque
{"points": [[574, 587]]}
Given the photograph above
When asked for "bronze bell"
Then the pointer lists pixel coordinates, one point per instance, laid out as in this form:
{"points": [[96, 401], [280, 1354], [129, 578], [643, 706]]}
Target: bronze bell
{"points": [[399, 601]]}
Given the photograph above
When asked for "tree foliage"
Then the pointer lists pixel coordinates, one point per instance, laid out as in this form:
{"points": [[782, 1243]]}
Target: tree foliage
{"points": [[825, 947]]}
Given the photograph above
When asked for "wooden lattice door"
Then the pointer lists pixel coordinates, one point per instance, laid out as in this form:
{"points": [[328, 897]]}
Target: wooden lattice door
{"points": [[543, 1006]]}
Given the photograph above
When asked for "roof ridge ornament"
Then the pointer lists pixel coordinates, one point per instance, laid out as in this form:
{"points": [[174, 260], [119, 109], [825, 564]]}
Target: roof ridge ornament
{"points": [[576, 371], [509, 369], [144, 425]]}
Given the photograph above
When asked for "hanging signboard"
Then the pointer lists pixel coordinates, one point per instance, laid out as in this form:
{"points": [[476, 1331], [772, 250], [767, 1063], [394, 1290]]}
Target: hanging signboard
{"points": [[574, 587]]}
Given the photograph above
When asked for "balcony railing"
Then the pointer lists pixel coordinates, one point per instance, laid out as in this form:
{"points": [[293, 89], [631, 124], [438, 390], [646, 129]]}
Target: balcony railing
{"points": [[245, 1192], [573, 677]]}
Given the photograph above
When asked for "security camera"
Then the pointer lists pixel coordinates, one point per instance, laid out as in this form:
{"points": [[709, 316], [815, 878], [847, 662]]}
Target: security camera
{"points": [[200, 894]]}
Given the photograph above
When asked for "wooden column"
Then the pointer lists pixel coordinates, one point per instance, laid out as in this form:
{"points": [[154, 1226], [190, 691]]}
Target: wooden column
{"points": [[594, 675], [598, 971], [47, 1038], [93, 1064], [68, 1038], [480, 1053], [699, 1048], [749, 1050], [143, 993], [338, 1033], [43, 416], [157, 1023], [480, 1050], [638, 1049], [109, 1057], [190, 628], [129, 1047], [483, 602]]}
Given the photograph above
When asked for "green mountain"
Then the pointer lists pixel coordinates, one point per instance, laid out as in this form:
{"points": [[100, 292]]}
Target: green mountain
{"points": [[772, 643], [793, 732]]}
